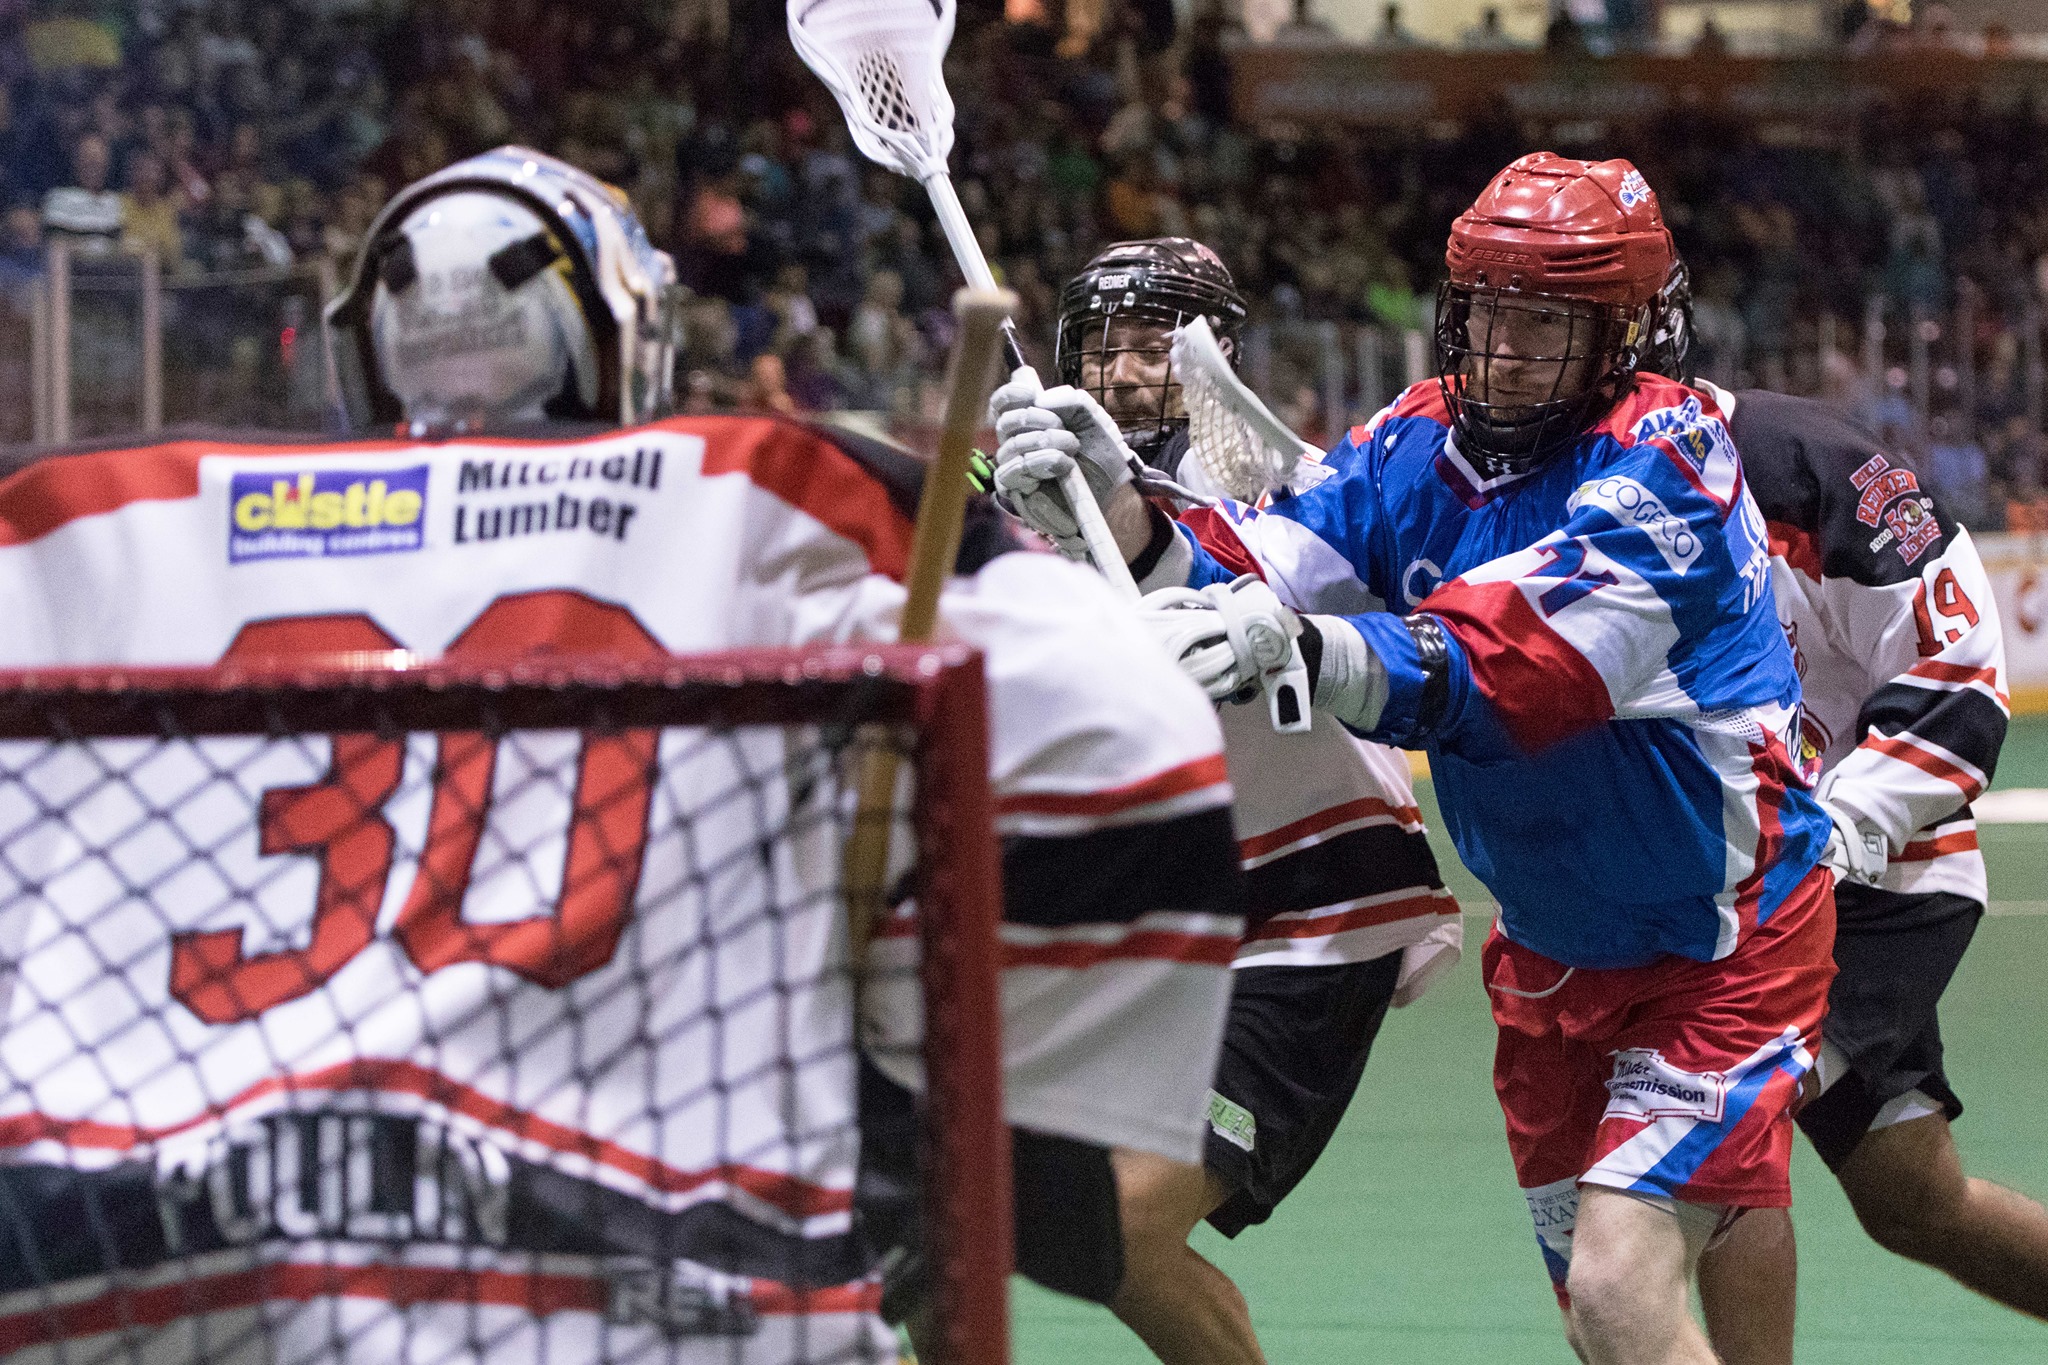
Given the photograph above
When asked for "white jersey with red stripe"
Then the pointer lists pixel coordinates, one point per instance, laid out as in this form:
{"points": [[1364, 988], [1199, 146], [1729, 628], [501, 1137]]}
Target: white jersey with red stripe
{"points": [[1894, 632], [682, 536], [1337, 861]]}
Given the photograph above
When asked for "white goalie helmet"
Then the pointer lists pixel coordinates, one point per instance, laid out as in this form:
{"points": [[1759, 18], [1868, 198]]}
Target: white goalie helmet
{"points": [[510, 286]]}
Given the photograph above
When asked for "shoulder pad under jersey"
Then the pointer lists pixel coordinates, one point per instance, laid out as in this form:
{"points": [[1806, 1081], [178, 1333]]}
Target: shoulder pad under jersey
{"points": [[1843, 504]]}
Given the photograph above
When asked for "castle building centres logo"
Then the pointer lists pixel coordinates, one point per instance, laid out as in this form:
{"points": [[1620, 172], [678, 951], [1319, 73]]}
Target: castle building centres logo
{"points": [[313, 514]]}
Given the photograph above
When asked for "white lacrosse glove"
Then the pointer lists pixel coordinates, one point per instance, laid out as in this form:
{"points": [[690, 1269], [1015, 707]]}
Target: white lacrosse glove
{"points": [[1232, 639], [1857, 851], [1042, 436]]}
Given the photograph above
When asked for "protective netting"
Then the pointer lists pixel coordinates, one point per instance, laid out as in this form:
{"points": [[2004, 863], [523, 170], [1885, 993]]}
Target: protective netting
{"points": [[443, 1017]]}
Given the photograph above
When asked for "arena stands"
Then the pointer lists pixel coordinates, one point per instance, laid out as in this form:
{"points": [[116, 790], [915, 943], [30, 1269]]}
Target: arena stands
{"points": [[229, 135]]}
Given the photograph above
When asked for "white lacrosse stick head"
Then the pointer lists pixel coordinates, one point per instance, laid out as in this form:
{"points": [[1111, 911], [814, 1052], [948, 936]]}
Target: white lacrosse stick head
{"points": [[882, 60], [1244, 450]]}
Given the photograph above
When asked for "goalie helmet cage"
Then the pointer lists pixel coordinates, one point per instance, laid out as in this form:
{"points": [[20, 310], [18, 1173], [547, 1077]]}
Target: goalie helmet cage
{"points": [[507, 1191]]}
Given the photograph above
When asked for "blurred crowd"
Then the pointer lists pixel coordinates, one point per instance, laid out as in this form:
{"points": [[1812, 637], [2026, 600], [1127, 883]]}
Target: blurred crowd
{"points": [[1606, 27], [238, 135]]}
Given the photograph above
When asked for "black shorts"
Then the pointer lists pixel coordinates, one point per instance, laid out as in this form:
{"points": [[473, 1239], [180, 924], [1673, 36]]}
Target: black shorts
{"points": [[1069, 1232], [1894, 956], [1293, 1050]]}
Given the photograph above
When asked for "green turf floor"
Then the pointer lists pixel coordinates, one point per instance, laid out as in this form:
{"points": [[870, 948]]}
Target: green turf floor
{"points": [[1410, 1243]]}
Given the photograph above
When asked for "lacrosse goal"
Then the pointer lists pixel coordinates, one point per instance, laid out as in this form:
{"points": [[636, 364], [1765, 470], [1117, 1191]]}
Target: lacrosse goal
{"points": [[361, 1010]]}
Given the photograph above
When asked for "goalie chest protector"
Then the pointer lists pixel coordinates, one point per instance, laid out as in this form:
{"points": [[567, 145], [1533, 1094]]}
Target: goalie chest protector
{"points": [[682, 536]]}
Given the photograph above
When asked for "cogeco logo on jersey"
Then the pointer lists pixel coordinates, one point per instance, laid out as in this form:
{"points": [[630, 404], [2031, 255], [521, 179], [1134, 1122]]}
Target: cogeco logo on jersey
{"points": [[1631, 503], [314, 514]]}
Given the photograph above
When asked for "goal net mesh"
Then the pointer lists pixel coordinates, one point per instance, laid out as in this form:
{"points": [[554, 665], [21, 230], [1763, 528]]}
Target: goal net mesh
{"points": [[444, 1014]]}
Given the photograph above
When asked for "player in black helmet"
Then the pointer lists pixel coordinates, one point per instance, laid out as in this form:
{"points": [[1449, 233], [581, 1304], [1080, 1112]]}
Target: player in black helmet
{"points": [[1117, 393], [1116, 323], [1897, 642], [1351, 914]]}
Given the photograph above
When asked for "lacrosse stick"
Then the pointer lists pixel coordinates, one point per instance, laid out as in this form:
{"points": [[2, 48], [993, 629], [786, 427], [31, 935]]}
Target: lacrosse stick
{"points": [[881, 59], [1245, 450], [977, 1331], [934, 544]]}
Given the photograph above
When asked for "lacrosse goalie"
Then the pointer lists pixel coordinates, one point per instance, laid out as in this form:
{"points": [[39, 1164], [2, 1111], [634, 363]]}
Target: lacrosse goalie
{"points": [[518, 487], [1348, 912]]}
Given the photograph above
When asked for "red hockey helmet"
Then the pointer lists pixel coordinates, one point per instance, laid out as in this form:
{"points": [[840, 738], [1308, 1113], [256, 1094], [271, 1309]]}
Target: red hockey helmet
{"points": [[1555, 272]]}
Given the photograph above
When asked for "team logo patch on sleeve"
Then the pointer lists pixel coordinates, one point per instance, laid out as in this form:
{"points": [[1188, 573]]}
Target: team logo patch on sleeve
{"points": [[1876, 484], [315, 514], [1887, 494], [1687, 430], [1645, 1086], [1914, 526]]}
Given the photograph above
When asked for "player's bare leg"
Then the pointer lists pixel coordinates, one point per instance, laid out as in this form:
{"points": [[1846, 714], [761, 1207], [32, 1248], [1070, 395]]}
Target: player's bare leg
{"points": [[1180, 1305], [1907, 1185], [1749, 1289], [1571, 1334], [1631, 1261]]}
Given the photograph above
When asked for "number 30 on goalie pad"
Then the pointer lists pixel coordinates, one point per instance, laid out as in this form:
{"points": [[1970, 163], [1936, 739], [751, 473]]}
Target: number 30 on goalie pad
{"points": [[340, 820]]}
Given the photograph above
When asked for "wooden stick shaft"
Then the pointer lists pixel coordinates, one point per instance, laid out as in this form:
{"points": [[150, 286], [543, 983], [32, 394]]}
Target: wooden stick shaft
{"points": [[941, 510], [935, 542]]}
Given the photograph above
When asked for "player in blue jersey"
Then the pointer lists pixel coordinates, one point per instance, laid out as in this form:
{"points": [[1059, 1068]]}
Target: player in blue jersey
{"points": [[1544, 568]]}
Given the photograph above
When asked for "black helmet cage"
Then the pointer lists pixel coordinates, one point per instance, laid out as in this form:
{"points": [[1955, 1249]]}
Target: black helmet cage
{"points": [[1146, 284], [1670, 349], [1502, 439]]}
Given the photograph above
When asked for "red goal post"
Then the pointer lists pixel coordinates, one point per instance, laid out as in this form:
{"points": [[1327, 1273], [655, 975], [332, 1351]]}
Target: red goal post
{"points": [[92, 848]]}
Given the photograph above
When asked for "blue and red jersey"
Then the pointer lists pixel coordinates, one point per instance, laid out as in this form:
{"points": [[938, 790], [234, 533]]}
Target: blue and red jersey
{"points": [[1614, 729]]}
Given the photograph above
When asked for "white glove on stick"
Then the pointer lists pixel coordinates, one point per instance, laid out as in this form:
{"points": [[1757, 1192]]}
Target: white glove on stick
{"points": [[1232, 638], [1042, 436], [1856, 851]]}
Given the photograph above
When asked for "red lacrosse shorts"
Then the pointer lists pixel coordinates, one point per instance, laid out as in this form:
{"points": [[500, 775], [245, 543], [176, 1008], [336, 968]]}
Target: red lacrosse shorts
{"points": [[1675, 1080]]}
